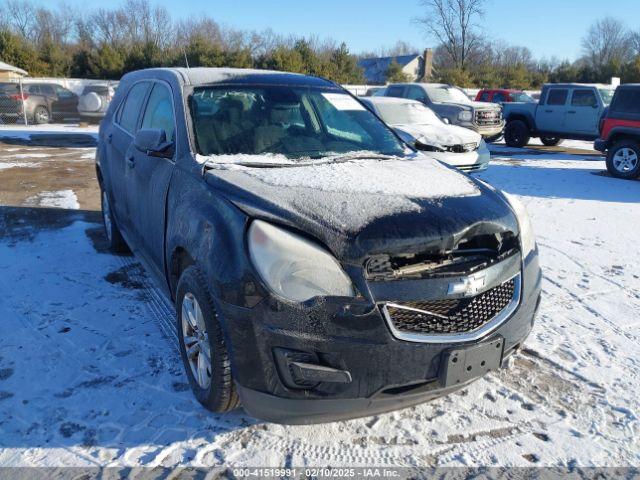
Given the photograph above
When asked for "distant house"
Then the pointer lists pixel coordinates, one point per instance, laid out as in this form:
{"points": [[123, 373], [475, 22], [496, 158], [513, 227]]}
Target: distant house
{"points": [[414, 66], [9, 72]]}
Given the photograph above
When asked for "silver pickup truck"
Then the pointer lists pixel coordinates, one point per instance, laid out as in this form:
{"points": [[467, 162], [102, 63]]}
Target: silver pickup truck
{"points": [[565, 110]]}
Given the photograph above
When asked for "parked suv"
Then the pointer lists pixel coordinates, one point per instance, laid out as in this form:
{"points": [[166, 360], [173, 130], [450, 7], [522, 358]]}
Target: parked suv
{"points": [[43, 102], [503, 96], [620, 133], [453, 106], [321, 268], [94, 101], [565, 110]]}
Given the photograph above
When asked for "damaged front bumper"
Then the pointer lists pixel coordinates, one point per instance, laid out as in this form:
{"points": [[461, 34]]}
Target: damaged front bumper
{"points": [[337, 358]]}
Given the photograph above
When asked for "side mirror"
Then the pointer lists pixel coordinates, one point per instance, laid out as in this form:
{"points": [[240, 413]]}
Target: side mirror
{"points": [[153, 142], [446, 120]]}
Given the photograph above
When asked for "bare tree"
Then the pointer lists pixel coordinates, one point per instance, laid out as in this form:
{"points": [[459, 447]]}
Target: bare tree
{"points": [[452, 23], [607, 42]]}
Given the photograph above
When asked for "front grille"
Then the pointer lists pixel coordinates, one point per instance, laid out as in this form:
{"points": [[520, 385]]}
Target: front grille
{"points": [[485, 118], [451, 316]]}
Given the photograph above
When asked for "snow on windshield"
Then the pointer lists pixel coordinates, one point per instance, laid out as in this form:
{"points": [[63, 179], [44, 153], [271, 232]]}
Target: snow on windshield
{"points": [[447, 94], [407, 114]]}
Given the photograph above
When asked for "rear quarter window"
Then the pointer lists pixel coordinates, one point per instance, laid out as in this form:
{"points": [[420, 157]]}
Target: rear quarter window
{"points": [[626, 101]]}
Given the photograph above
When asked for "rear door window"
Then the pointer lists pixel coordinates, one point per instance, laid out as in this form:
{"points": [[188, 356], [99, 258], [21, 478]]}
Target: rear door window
{"points": [[129, 113], [557, 96], [47, 90], [416, 93], [159, 112], [34, 89], [484, 97], [395, 91], [499, 97], [584, 98]]}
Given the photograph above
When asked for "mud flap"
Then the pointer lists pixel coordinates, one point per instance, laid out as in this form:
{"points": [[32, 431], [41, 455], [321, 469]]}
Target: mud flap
{"points": [[460, 365]]}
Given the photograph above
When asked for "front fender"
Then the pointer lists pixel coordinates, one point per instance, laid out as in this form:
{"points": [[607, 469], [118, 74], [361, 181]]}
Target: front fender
{"points": [[209, 230]]}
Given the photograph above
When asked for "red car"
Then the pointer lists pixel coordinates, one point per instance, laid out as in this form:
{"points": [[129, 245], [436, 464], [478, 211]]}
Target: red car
{"points": [[502, 95], [620, 133]]}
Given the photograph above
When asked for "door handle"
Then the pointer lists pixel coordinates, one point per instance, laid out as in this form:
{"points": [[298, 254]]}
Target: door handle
{"points": [[109, 137], [571, 111], [548, 111], [130, 162]]}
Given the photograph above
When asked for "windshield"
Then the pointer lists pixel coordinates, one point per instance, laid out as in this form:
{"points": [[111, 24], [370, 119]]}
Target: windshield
{"points": [[407, 114], [607, 95], [522, 97], [298, 122], [447, 94]]}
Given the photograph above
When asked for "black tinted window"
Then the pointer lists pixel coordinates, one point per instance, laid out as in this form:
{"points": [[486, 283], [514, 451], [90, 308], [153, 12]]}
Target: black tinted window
{"points": [[557, 96], [584, 98], [416, 93], [128, 115], [484, 97], [35, 89], [626, 101], [159, 111], [394, 91], [499, 97]]}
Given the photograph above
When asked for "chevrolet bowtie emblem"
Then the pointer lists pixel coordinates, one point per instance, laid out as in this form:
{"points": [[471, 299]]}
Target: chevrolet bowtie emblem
{"points": [[467, 286]]}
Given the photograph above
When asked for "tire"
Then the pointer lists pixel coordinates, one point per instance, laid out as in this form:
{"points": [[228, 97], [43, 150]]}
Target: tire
{"points": [[516, 134], [551, 141], [200, 333], [623, 159], [115, 241], [41, 115]]}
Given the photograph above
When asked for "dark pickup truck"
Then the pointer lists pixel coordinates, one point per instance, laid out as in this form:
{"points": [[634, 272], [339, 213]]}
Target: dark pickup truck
{"points": [[321, 268]]}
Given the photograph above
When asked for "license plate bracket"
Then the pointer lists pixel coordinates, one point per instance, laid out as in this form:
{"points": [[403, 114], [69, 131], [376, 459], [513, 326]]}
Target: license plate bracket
{"points": [[460, 365]]}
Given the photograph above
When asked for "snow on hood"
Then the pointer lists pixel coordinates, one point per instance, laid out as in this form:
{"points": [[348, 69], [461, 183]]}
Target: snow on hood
{"points": [[440, 135], [421, 177], [340, 201]]}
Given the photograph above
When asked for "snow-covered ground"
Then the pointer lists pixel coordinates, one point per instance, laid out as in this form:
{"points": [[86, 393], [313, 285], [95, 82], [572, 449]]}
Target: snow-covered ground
{"points": [[89, 372], [25, 132]]}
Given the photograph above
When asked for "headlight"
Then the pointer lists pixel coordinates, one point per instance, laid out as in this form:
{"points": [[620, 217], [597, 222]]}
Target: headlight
{"points": [[465, 116], [527, 239], [293, 267]]}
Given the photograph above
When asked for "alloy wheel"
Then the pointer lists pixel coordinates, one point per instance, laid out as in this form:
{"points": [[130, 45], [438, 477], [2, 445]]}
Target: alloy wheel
{"points": [[196, 340], [625, 160], [42, 115]]}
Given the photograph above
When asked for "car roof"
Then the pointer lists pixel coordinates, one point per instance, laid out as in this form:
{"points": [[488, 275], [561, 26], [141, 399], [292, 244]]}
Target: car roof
{"points": [[389, 100], [420, 84], [574, 84], [202, 76]]}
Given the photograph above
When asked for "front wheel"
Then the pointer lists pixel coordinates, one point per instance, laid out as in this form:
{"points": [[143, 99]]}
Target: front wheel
{"points": [[623, 159], [516, 134], [551, 141], [202, 344]]}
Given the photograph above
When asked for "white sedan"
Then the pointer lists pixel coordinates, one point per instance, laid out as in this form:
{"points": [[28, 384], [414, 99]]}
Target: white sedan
{"points": [[417, 125]]}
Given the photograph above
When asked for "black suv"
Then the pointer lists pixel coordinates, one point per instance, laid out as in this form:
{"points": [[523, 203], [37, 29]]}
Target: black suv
{"points": [[321, 268]]}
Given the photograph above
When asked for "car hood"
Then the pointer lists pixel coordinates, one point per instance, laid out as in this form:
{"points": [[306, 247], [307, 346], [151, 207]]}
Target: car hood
{"points": [[366, 207], [475, 105], [440, 135]]}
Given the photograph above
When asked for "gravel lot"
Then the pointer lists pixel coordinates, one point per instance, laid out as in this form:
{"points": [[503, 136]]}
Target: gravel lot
{"points": [[90, 375]]}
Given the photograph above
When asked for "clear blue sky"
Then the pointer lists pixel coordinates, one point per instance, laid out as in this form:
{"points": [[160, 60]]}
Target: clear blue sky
{"points": [[547, 27]]}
